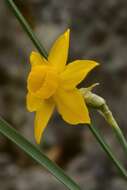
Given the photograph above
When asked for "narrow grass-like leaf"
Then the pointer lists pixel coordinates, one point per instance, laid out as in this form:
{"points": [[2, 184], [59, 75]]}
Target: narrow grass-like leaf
{"points": [[27, 28], [121, 137], [36, 154], [107, 114], [98, 137], [108, 150]]}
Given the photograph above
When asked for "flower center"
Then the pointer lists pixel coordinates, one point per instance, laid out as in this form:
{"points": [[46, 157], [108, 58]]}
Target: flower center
{"points": [[42, 81]]}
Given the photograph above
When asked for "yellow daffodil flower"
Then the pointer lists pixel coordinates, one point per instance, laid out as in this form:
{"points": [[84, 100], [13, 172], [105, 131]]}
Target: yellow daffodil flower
{"points": [[52, 84]]}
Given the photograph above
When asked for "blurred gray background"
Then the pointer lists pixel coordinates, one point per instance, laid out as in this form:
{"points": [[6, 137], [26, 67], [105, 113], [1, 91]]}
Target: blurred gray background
{"points": [[98, 32]]}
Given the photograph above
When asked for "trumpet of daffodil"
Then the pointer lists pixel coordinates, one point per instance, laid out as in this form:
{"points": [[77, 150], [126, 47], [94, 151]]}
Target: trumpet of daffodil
{"points": [[53, 84]]}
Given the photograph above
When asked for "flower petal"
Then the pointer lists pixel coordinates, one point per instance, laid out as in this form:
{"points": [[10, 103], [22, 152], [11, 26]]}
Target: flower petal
{"points": [[32, 102], [59, 52], [71, 106], [42, 117], [75, 72], [36, 59]]}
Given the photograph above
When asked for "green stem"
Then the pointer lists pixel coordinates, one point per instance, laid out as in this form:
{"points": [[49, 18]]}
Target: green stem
{"points": [[36, 154], [121, 137], [108, 150], [27, 28], [107, 114], [41, 49], [97, 102]]}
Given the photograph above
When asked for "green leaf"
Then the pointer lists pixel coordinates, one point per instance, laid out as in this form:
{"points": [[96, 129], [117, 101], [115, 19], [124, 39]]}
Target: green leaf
{"points": [[108, 150], [27, 28], [36, 154]]}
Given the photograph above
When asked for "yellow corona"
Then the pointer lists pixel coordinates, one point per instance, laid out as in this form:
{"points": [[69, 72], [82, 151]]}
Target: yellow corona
{"points": [[53, 84]]}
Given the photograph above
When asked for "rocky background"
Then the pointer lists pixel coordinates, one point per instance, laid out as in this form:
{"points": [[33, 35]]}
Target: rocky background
{"points": [[99, 32]]}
